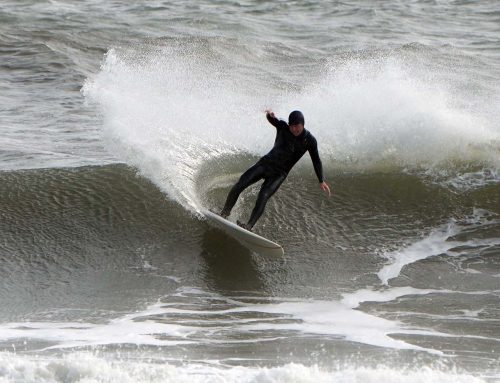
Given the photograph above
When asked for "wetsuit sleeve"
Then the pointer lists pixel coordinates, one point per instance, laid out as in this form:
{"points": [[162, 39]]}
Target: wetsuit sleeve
{"points": [[318, 166], [274, 121]]}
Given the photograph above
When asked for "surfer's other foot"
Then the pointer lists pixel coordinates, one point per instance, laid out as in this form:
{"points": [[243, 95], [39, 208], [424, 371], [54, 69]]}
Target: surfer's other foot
{"points": [[245, 226], [224, 214]]}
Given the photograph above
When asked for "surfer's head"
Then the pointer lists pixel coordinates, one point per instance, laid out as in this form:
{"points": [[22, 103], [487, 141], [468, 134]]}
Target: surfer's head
{"points": [[296, 122]]}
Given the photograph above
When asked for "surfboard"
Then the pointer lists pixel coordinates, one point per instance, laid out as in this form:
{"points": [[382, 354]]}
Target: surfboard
{"points": [[248, 239]]}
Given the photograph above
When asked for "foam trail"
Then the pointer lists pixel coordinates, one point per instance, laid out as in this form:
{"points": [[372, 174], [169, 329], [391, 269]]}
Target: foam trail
{"points": [[436, 243], [432, 245]]}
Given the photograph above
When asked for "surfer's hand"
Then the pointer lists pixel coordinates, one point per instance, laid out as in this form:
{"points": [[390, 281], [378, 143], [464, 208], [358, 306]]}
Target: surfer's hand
{"points": [[270, 112], [324, 186]]}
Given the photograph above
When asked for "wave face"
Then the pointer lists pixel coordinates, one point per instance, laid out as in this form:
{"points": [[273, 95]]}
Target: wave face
{"points": [[96, 259]]}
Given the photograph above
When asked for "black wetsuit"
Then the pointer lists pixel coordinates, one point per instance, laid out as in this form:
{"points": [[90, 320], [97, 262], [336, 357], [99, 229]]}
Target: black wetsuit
{"points": [[274, 167]]}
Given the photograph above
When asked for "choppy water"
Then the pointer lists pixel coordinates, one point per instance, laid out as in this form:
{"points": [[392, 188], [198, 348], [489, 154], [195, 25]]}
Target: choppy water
{"points": [[119, 121]]}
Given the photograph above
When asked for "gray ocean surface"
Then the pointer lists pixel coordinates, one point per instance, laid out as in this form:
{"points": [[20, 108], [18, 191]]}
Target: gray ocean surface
{"points": [[120, 121]]}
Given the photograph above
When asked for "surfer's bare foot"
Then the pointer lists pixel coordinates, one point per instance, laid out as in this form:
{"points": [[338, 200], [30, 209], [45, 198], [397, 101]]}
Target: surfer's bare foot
{"points": [[224, 214], [244, 225]]}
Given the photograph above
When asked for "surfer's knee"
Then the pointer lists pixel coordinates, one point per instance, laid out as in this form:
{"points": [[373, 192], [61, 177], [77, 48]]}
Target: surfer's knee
{"points": [[264, 195], [267, 191], [239, 186]]}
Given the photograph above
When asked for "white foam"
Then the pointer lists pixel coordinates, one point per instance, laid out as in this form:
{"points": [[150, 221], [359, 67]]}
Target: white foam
{"points": [[436, 243], [86, 367], [471, 180], [353, 300], [121, 330], [337, 319]]}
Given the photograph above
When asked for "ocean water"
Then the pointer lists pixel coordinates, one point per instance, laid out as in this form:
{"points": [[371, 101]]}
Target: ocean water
{"points": [[119, 121]]}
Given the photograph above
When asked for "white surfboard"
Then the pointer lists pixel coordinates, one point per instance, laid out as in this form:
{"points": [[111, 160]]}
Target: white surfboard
{"points": [[248, 239]]}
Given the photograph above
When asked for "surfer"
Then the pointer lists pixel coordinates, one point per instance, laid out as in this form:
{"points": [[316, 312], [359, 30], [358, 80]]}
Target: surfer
{"points": [[290, 144]]}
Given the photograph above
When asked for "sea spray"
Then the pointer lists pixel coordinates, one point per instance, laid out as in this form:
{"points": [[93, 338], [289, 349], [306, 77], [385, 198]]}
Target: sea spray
{"points": [[375, 113], [168, 110]]}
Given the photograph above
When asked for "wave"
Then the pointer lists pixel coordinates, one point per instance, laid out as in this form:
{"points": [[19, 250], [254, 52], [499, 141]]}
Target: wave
{"points": [[378, 212], [170, 107]]}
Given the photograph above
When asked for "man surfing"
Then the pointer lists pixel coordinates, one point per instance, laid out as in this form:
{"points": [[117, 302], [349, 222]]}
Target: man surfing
{"points": [[290, 144]]}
